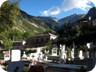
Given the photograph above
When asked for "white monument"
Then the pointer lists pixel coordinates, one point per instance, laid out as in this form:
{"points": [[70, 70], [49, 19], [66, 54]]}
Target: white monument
{"points": [[81, 54], [40, 54], [24, 56], [63, 52], [89, 45], [15, 55], [46, 55], [72, 53]]}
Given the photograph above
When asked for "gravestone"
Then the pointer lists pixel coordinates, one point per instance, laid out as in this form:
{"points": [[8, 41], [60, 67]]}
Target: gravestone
{"points": [[40, 54], [40, 57], [90, 54], [90, 45], [15, 55], [24, 56], [6, 55], [63, 52], [17, 66], [72, 54], [54, 50], [81, 54], [46, 55]]}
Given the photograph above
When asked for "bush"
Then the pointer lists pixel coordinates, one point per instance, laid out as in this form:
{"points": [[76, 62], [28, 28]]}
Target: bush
{"points": [[1, 55]]}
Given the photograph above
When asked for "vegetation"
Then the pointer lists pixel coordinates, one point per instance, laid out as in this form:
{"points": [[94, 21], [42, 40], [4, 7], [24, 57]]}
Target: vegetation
{"points": [[68, 33], [48, 47], [1, 55], [8, 15], [17, 25]]}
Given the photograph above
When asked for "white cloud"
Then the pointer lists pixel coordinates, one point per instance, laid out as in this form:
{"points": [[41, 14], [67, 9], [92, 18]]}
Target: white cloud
{"points": [[93, 1], [77, 4], [52, 11], [69, 5], [1, 2]]}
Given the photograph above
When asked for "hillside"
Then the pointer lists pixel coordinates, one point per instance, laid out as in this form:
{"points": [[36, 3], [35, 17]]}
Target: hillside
{"points": [[33, 24]]}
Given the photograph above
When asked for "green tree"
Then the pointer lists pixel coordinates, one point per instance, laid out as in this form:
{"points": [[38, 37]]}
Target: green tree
{"points": [[68, 33], [26, 34], [7, 42], [15, 35], [8, 15]]}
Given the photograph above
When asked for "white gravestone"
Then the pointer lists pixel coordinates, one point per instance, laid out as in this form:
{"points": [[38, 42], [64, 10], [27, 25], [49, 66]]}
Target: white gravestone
{"points": [[6, 55], [90, 45], [40, 57], [40, 54], [15, 55], [46, 55], [54, 51], [81, 54], [63, 52], [24, 56], [72, 53]]}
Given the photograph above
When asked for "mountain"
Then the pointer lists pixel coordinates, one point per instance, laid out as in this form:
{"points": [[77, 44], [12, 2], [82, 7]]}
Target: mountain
{"points": [[91, 13], [70, 19], [49, 19], [39, 24], [33, 24]]}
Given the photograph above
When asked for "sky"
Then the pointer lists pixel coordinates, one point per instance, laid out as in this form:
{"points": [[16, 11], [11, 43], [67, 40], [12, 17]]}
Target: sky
{"points": [[56, 8], [1, 2]]}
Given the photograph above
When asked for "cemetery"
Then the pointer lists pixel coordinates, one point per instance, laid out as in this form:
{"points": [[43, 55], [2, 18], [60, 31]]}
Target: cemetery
{"points": [[59, 51], [59, 59], [47, 57]]}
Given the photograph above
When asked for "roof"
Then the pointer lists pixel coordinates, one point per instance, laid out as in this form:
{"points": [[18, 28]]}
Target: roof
{"points": [[18, 43]]}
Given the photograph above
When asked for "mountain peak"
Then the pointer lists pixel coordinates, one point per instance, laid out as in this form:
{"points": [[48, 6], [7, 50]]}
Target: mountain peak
{"points": [[91, 13], [70, 19]]}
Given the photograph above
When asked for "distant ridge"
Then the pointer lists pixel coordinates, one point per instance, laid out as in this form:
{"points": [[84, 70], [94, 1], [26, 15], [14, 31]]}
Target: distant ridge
{"points": [[71, 19]]}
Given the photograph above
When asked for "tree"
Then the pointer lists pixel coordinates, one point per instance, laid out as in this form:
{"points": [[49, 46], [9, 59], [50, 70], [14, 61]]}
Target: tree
{"points": [[8, 15], [15, 35], [68, 33], [26, 34], [7, 42]]}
